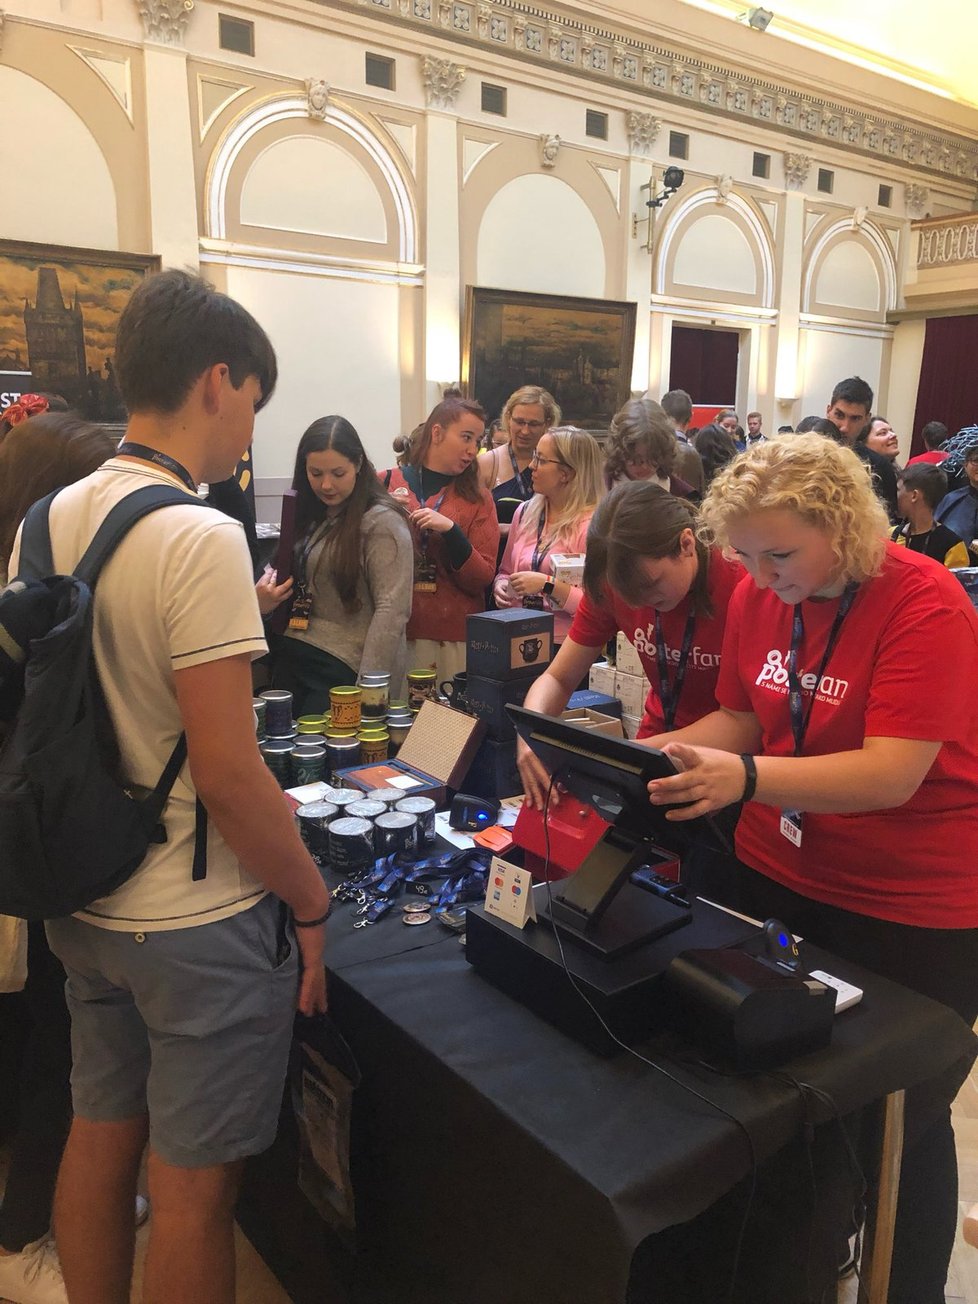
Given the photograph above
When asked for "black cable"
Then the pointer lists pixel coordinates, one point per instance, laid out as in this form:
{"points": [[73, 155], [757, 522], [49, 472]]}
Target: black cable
{"points": [[738, 1249]]}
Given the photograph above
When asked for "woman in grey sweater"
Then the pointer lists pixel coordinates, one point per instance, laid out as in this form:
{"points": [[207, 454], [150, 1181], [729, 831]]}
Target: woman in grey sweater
{"points": [[353, 569]]}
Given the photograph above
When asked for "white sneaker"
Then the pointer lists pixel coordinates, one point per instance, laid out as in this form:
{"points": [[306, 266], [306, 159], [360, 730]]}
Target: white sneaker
{"points": [[33, 1276]]}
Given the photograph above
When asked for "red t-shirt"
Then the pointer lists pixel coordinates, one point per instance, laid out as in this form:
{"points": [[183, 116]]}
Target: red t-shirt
{"points": [[904, 666], [934, 455], [595, 623]]}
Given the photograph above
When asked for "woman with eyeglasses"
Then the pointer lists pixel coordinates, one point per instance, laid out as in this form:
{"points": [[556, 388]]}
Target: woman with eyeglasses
{"points": [[505, 470], [642, 445], [566, 474]]}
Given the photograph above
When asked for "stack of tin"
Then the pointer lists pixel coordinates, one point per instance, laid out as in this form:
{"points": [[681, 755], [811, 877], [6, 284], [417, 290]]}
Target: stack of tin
{"points": [[348, 830]]}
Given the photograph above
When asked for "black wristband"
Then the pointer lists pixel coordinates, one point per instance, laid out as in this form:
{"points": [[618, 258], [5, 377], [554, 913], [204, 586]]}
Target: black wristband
{"points": [[548, 587], [311, 923], [750, 780]]}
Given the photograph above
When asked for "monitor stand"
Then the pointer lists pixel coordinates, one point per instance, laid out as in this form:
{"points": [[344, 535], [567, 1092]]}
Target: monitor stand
{"points": [[599, 909]]}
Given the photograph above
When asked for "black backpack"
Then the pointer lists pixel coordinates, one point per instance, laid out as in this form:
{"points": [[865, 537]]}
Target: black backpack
{"points": [[70, 832]]}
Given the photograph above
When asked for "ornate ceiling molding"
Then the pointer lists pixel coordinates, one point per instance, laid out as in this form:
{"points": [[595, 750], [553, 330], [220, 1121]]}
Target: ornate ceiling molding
{"points": [[653, 71]]}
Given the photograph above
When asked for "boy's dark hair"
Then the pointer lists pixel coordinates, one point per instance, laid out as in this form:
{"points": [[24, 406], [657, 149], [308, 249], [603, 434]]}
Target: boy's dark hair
{"points": [[678, 405], [933, 435], [176, 326], [928, 478], [854, 390], [817, 426]]}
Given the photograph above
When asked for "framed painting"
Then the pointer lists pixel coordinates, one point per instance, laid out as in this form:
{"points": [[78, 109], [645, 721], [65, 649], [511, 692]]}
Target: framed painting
{"points": [[578, 349], [59, 308]]}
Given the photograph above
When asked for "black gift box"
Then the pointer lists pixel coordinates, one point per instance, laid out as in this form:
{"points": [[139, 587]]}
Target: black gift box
{"points": [[510, 644], [493, 772], [488, 699], [585, 699]]}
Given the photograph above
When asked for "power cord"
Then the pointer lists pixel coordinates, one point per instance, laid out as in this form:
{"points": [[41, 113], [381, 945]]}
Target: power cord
{"points": [[738, 1249]]}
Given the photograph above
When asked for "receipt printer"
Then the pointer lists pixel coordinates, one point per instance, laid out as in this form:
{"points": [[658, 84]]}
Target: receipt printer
{"points": [[747, 1010]]}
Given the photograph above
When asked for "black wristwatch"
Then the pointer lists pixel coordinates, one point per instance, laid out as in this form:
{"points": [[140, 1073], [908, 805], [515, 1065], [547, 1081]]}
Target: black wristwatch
{"points": [[548, 588]]}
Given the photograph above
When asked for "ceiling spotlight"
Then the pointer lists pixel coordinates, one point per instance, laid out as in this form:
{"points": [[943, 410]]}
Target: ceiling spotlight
{"points": [[759, 19]]}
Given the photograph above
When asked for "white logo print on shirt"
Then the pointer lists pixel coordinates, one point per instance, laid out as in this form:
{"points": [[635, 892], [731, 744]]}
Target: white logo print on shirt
{"points": [[774, 677], [644, 640]]}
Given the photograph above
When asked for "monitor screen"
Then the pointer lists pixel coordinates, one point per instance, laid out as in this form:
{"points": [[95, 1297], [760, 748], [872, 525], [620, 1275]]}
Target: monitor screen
{"points": [[610, 774]]}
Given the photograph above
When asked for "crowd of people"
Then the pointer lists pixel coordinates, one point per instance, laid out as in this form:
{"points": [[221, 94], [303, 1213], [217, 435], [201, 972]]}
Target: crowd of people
{"points": [[785, 595]]}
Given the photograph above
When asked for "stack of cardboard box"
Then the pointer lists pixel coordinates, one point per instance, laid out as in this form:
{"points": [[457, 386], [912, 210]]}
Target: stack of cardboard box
{"points": [[631, 686]]}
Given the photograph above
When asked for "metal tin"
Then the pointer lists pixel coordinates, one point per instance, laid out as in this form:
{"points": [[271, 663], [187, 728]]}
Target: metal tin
{"points": [[313, 820], [308, 765], [340, 753], [389, 796], [422, 684], [424, 809], [395, 831], [311, 743], [311, 724], [278, 712], [260, 708], [416, 919], [366, 809], [351, 844], [398, 729], [374, 690], [345, 706], [275, 752], [374, 745], [342, 797]]}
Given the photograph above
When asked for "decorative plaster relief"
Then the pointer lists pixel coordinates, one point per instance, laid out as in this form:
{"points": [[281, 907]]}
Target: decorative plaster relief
{"points": [[442, 81], [317, 98], [549, 149], [643, 129], [796, 170], [165, 20], [916, 199]]}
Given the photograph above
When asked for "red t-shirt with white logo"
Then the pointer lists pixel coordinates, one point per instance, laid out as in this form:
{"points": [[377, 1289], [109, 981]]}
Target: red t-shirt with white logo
{"points": [[595, 623], [904, 666]]}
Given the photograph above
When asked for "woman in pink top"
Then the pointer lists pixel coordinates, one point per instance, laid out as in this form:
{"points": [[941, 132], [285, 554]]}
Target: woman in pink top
{"points": [[567, 486]]}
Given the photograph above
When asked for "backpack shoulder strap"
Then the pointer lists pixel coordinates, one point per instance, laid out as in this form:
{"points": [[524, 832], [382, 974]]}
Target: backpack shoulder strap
{"points": [[120, 521], [35, 560], [387, 480]]}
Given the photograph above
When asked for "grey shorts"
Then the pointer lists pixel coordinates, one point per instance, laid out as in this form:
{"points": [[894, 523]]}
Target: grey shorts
{"points": [[192, 1026]]}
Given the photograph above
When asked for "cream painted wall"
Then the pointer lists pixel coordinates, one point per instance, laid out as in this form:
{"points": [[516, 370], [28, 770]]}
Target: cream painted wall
{"points": [[314, 186], [538, 235], [58, 189], [848, 277], [714, 253], [828, 357], [337, 347], [901, 397]]}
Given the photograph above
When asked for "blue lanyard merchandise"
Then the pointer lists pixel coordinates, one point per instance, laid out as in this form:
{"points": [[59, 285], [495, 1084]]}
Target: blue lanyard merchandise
{"points": [[669, 694], [791, 820], [168, 463]]}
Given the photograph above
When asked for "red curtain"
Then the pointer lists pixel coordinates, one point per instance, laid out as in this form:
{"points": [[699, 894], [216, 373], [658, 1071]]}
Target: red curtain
{"points": [[948, 388]]}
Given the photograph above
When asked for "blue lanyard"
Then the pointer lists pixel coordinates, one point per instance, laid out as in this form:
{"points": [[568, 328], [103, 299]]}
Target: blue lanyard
{"points": [[540, 552], [800, 718], [522, 488], [168, 463], [669, 694]]}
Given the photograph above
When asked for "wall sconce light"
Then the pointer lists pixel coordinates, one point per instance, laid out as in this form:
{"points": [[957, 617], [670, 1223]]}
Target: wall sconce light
{"points": [[672, 179]]}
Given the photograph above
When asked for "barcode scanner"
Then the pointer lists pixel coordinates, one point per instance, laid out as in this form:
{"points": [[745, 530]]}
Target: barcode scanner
{"points": [[779, 945]]}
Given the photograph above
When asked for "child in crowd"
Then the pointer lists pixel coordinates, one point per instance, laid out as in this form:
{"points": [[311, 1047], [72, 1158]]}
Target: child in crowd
{"points": [[919, 490]]}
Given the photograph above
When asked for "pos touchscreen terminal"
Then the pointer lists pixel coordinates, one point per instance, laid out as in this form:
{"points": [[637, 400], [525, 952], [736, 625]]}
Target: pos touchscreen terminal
{"points": [[599, 907]]}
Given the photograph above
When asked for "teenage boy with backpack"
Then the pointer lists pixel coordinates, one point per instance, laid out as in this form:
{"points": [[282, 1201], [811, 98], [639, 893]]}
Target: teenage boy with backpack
{"points": [[181, 988]]}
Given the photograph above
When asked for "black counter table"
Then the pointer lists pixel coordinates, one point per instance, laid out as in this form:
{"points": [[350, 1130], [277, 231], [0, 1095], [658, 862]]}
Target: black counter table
{"points": [[496, 1161]]}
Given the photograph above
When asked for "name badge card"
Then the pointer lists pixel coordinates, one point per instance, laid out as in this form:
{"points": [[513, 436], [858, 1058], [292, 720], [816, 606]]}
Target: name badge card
{"points": [[509, 893]]}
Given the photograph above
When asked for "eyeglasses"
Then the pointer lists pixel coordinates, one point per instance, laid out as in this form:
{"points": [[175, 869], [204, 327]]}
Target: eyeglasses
{"points": [[522, 424], [537, 460]]}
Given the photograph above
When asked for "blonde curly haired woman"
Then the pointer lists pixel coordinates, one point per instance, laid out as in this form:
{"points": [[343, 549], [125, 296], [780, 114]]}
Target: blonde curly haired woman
{"points": [[856, 762]]}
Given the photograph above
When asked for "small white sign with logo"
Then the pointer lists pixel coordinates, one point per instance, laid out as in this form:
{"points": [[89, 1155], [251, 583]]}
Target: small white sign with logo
{"points": [[509, 893]]}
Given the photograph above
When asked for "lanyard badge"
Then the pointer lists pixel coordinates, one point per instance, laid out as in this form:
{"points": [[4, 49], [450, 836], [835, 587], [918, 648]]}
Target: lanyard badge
{"points": [[791, 820], [425, 571], [534, 601], [669, 694]]}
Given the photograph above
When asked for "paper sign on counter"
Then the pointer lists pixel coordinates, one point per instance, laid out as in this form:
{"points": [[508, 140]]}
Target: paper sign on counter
{"points": [[509, 893]]}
